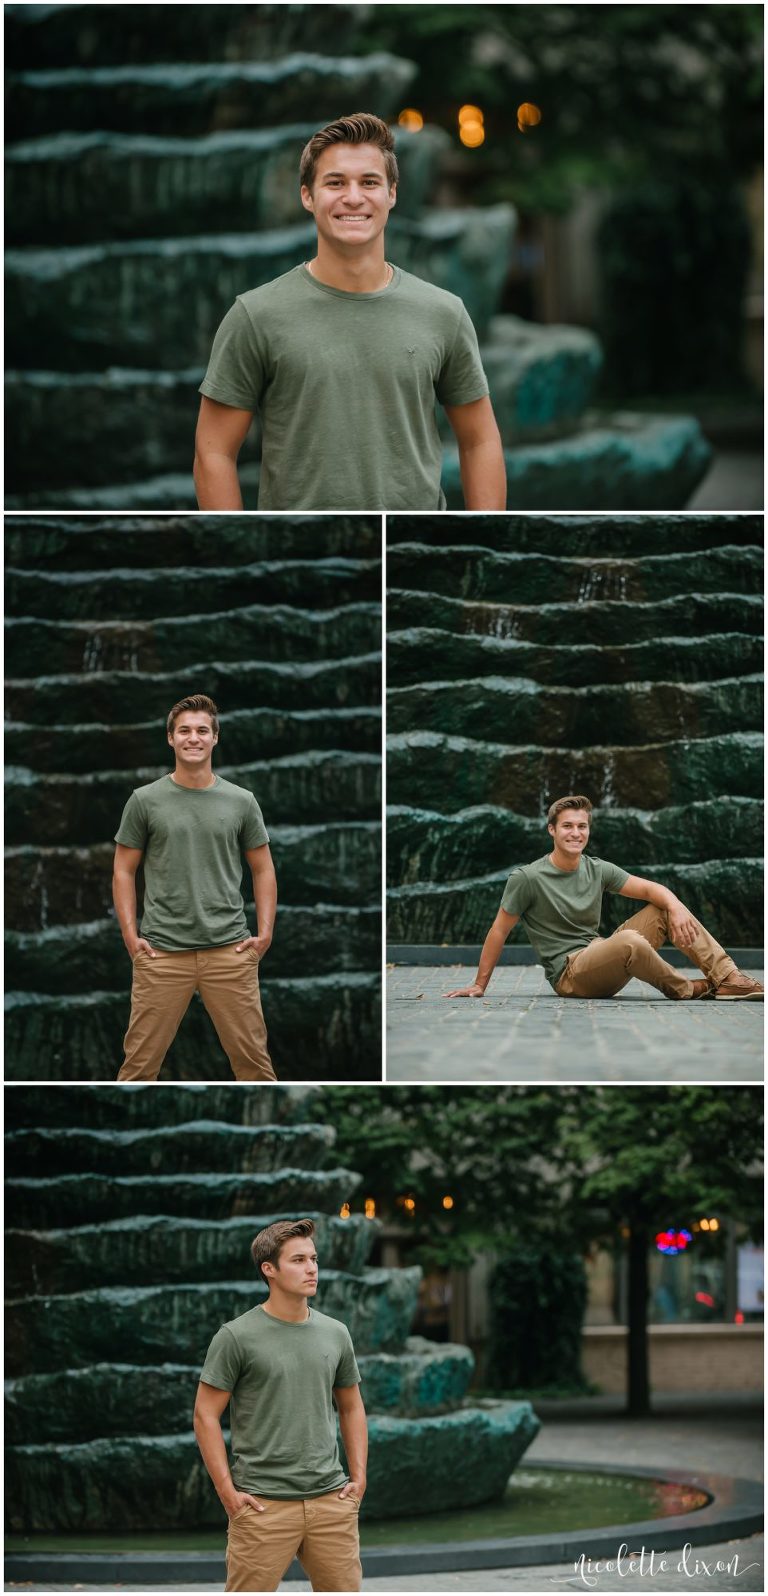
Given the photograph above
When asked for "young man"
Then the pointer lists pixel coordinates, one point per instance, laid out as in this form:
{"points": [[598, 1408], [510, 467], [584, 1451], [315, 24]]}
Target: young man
{"points": [[344, 358], [191, 830], [559, 899], [283, 1365]]}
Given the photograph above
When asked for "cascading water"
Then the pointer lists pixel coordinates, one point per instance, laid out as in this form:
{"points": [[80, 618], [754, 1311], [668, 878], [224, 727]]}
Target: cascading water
{"points": [[638, 683]]}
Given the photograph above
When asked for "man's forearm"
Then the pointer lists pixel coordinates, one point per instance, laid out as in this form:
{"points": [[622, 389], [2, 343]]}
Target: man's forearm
{"points": [[490, 956], [354, 1434], [217, 483], [124, 899], [661, 897], [483, 475], [265, 899], [214, 1454]]}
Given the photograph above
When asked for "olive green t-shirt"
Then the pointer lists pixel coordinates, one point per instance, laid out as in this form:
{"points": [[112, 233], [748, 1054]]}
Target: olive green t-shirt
{"points": [[345, 385], [282, 1377], [193, 840], [561, 909]]}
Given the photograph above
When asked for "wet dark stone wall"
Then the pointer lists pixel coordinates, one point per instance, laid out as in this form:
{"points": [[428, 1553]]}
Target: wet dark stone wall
{"points": [[118, 1276], [279, 621], [527, 658]]}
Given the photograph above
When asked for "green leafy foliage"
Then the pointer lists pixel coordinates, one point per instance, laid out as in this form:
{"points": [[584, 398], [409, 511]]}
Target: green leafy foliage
{"points": [[538, 1297]]}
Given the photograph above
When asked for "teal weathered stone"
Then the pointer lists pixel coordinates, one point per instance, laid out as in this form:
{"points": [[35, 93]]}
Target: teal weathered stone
{"points": [[274, 733], [228, 1149], [68, 960], [427, 653], [118, 1282], [425, 845], [107, 1399], [320, 1026], [212, 32], [133, 1104], [500, 707], [415, 1466], [580, 536], [187, 590], [724, 894], [85, 1326], [35, 645], [464, 771], [125, 1251], [50, 888], [542, 378], [173, 291], [477, 573], [193, 97], [39, 1203], [221, 542], [72, 185], [300, 788], [613, 620]]}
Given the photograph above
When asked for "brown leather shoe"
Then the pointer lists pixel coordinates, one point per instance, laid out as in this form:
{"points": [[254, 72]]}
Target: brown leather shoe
{"points": [[700, 989], [739, 987]]}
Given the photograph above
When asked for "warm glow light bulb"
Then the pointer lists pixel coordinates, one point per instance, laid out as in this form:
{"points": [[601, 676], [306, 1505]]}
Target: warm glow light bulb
{"points": [[472, 134], [447, 1202], [411, 119], [370, 1208], [344, 1211]]}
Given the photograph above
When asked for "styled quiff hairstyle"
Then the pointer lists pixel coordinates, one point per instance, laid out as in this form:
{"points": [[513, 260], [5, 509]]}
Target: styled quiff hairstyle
{"points": [[200, 705], [360, 128], [578, 802], [269, 1243]]}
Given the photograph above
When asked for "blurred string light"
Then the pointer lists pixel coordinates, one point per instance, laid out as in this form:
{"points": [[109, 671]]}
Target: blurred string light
{"points": [[344, 1211], [370, 1207], [447, 1202], [707, 1224], [411, 120], [471, 126], [528, 116]]}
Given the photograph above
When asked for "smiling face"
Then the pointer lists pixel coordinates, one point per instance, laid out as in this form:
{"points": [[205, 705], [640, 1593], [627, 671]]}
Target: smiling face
{"points": [[296, 1270], [193, 739], [570, 831], [350, 198]]}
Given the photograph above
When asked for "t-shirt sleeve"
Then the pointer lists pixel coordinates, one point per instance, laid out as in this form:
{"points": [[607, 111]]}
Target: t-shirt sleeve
{"points": [[347, 1372], [462, 378], [222, 1361], [254, 833], [235, 374], [613, 876], [133, 830], [516, 897]]}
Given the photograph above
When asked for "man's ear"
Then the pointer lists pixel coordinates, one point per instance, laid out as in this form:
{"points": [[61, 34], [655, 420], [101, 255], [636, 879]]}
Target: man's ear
{"points": [[306, 198], [393, 196], [550, 828]]}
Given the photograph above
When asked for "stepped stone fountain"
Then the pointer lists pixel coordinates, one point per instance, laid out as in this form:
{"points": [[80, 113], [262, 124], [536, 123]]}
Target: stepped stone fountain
{"points": [[528, 658], [280, 622], [131, 1213], [151, 177]]}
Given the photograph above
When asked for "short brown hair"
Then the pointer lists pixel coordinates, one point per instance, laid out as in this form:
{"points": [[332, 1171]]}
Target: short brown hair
{"points": [[200, 705], [577, 802], [269, 1243], [360, 128]]}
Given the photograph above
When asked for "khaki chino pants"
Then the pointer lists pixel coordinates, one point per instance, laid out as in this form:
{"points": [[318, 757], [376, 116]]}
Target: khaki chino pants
{"points": [[162, 990], [608, 963], [320, 1530]]}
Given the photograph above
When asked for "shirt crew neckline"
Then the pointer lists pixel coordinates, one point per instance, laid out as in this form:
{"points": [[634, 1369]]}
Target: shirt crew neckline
{"points": [[294, 1324], [348, 293], [182, 786]]}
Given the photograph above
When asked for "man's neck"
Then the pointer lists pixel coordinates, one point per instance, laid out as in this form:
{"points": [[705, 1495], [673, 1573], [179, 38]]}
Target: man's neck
{"points": [[193, 778], [564, 861], [365, 272], [294, 1310]]}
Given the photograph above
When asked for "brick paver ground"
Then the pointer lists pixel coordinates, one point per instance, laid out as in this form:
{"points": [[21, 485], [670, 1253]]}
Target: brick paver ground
{"points": [[520, 1030]]}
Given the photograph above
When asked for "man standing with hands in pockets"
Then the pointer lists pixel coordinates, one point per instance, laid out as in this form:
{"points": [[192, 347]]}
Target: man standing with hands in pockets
{"points": [[281, 1366]]}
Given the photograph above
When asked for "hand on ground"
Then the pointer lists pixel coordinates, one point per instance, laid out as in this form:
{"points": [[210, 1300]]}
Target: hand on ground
{"points": [[466, 991]]}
